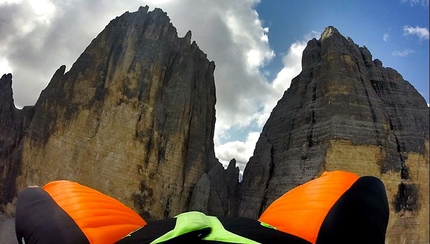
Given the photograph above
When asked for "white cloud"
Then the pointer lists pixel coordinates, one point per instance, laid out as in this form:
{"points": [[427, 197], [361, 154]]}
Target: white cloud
{"points": [[5, 66], [240, 150], [311, 35], [386, 37], [155, 2], [403, 53], [232, 35], [41, 38], [292, 67], [416, 2], [422, 33]]}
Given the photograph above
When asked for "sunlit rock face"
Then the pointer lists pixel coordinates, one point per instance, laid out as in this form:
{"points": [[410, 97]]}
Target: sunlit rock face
{"points": [[345, 111], [134, 118]]}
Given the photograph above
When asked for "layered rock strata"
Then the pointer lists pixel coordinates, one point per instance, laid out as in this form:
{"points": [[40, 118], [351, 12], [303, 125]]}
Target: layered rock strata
{"points": [[345, 111], [134, 118]]}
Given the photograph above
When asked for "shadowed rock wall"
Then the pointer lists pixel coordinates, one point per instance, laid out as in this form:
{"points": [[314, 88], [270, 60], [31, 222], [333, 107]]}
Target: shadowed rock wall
{"points": [[134, 118]]}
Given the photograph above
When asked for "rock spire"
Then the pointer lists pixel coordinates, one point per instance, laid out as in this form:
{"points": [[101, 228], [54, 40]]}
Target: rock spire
{"points": [[345, 111], [134, 118]]}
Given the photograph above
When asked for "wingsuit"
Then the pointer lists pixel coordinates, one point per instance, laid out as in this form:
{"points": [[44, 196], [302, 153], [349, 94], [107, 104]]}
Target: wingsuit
{"points": [[338, 207]]}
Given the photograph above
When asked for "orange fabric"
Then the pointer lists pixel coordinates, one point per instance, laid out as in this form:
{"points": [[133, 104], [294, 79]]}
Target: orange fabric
{"points": [[101, 218], [302, 210]]}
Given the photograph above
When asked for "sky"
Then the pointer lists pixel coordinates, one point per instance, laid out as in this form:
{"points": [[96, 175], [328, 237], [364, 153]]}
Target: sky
{"points": [[256, 45]]}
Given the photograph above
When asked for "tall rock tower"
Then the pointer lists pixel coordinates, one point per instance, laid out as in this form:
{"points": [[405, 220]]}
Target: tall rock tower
{"points": [[134, 118], [345, 111]]}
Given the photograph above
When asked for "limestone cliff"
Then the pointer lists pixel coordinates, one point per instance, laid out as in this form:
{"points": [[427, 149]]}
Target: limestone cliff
{"points": [[134, 118], [346, 111]]}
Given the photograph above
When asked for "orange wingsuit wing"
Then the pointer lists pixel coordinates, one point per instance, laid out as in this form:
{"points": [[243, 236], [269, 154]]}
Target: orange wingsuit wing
{"points": [[302, 210], [101, 218]]}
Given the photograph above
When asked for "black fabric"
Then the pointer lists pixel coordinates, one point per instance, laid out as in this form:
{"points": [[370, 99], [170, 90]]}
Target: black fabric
{"points": [[248, 228], [40, 220], [150, 232], [191, 237], [252, 229], [359, 216], [158, 228]]}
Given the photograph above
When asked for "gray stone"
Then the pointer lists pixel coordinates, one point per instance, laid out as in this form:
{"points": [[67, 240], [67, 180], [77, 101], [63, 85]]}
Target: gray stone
{"points": [[342, 100], [7, 230], [133, 118]]}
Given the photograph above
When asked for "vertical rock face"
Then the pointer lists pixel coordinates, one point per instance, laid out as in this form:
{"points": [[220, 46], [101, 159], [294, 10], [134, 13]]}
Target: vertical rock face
{"points": [[12, 123], [346, 111], [134, 118], [8, 143]]}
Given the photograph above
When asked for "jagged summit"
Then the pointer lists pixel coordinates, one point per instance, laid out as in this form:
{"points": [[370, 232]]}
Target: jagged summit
{"points": [[329, 31], [6, 94], [5, 87], [7, 76]]}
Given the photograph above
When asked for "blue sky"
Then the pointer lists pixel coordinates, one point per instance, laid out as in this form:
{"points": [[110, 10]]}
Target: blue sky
{"points": [[378, 25], [256, 45]]}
